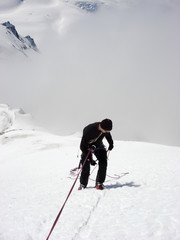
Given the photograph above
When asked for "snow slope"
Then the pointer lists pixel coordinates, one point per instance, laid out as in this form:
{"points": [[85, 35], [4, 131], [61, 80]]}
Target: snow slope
{"points": [[34, 170]]}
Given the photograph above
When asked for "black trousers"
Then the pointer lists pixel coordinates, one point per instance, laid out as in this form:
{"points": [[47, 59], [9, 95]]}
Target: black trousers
{"points": [[101, 155]]}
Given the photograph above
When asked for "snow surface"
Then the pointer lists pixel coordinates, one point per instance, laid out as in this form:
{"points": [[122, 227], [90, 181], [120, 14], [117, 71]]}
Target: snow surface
{"points": [[34, 171]]}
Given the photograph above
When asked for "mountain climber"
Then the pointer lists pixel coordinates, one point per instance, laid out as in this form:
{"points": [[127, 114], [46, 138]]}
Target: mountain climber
{"points": [[93, 135]]}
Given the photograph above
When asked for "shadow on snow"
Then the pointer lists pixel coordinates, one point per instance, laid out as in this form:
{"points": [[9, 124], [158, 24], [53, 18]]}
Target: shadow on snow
{"points": [[118, 185]]}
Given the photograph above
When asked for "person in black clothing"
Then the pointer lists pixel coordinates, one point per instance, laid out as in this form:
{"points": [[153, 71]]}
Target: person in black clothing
{"points": [[93, 135]]}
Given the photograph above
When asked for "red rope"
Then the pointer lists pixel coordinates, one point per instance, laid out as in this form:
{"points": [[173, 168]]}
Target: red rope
{"points": [[54, 224]]}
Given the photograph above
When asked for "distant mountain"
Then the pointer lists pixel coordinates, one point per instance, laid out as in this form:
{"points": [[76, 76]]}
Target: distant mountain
{"points": [[11, 40], [87, 6]]}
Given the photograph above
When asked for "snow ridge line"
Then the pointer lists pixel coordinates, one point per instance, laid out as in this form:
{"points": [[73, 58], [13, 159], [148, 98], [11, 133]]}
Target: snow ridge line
{"points": [[11, 130], [91, 212]]}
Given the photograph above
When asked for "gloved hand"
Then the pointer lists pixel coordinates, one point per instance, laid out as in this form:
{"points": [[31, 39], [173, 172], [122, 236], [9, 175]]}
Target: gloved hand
{"points": [[110, 147], [93, 147], [92, 162]]}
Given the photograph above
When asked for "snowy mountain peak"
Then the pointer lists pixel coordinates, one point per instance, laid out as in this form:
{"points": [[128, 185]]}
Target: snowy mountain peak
{"points": [[11, 27], [12, 40], [87, 6], [30, 42]]}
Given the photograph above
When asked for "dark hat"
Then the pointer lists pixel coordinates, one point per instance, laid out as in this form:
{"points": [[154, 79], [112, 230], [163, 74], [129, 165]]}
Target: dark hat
{"points": [[106, 124]]}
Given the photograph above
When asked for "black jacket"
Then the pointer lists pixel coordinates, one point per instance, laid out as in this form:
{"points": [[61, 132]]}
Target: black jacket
{"points": [[93, 136]]}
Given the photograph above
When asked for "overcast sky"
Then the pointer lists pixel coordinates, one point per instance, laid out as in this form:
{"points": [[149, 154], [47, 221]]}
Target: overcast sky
{"points": [[120, 63]]}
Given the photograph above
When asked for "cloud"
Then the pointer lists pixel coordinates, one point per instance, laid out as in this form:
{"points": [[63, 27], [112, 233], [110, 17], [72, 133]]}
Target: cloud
{"points": [[6, 5]]}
